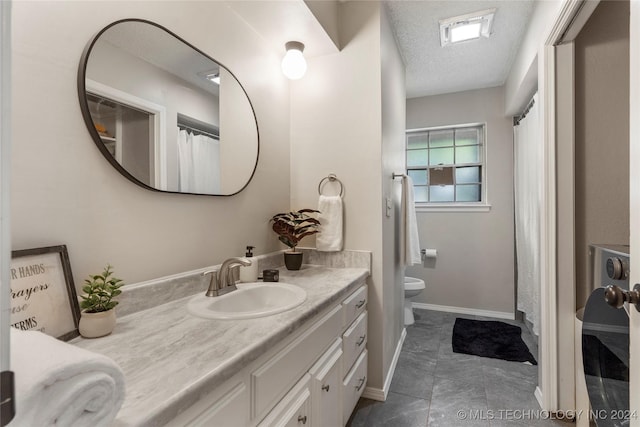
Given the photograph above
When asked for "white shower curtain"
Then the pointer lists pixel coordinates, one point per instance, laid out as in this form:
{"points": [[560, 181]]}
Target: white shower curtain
{"points": [[198, 163], [528, 172]]}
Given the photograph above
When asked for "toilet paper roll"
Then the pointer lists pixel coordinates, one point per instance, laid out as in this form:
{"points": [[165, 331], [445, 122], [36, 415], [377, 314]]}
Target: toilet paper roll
{"points": [[430, 253], [429, 258]]}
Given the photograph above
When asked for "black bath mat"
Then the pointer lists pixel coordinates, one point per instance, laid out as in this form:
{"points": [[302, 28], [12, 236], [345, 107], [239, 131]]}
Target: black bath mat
{"points": [[493, 339]]}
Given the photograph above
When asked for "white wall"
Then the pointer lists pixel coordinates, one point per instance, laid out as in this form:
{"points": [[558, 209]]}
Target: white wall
{"points": [[522, 81], [336, 126], [393, 119], [475, 264], [65, 192]]}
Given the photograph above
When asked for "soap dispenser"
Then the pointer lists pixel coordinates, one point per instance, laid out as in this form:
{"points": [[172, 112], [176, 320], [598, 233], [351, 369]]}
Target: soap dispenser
{"points": [[250, 272]]}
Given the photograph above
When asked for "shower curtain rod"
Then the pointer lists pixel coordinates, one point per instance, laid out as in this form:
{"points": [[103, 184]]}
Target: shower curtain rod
{"points": [[518, 119], [198, 131]]}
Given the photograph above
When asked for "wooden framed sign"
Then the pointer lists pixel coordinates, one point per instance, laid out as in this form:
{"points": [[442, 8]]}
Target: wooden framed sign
{"points": [[43, 296]]}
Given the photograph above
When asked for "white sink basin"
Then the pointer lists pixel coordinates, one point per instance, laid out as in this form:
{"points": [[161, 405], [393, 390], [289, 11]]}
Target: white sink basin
{"points": [[251, 300]]}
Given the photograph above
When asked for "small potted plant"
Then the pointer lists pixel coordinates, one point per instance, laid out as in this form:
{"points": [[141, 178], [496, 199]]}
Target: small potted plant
{"points": [[291, 227], [98, 315]]}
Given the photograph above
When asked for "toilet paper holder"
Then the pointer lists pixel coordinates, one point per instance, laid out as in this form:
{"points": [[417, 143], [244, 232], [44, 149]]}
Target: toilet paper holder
{"points": [[428, 253], [428, 257]]}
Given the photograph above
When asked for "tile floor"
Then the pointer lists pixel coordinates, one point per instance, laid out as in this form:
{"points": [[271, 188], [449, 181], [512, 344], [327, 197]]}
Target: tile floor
{"points": [[433, 386]]}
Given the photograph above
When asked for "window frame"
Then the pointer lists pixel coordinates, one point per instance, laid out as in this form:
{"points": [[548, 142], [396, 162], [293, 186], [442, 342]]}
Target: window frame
{"points": [[483, 205]]}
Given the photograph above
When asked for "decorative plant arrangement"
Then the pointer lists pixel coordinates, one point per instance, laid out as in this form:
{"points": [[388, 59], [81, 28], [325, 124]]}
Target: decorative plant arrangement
{"points": [[98, 317], [291, 227]]}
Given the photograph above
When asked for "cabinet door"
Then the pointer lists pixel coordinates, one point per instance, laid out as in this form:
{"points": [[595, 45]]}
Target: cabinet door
{"points": [[326, 389], [294, 410]]}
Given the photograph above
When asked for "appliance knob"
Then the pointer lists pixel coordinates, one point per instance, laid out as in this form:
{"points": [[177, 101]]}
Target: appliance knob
{"points": [[616, 296], [615, 268]]}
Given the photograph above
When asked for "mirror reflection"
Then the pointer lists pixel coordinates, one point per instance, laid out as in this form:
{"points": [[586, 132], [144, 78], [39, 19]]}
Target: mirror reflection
{"points": [[164, 114]]}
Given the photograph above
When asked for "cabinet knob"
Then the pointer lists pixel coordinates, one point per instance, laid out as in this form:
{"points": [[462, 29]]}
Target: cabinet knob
{"points": [[360, 303], [325, 387], [359, 386], [302, 419], [361, 340]]}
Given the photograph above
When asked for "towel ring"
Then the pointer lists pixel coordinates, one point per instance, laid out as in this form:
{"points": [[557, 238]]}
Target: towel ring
{"points": [[332, 178]]}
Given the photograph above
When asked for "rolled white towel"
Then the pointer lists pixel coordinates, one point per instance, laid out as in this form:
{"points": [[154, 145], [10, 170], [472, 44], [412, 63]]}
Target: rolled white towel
{"points": [[59, 384]]}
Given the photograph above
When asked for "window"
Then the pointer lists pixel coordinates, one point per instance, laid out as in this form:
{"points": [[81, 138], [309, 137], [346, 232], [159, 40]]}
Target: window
{"points": [[447, 164]]}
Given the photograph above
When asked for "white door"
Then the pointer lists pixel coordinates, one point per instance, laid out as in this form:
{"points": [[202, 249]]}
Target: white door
{"points": [[634, 198]]}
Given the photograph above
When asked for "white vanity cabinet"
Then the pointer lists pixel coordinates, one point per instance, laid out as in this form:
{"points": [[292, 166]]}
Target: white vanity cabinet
{"points": [[313, 379], [354, 357]]}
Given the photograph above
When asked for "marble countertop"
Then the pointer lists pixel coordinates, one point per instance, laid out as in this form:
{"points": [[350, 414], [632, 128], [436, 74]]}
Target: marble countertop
{"points": [[170, 357]]}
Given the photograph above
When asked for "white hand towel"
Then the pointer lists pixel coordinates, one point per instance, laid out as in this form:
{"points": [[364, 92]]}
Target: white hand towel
{"points": [[329, 238], [411, 248], [60, 384]]}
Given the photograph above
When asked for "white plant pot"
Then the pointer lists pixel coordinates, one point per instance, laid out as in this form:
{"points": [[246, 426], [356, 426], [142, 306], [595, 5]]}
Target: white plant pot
{"points": [[94, 325]]}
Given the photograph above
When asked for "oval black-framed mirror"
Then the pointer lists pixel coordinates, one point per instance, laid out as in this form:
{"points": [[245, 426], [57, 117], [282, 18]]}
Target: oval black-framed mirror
{"points": [[166, 115]]}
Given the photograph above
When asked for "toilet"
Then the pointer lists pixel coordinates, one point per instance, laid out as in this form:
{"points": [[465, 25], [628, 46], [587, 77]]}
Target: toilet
{"points": [[412, 287]]}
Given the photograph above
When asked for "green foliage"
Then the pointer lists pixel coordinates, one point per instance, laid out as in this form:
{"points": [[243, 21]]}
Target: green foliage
{"points": [[291, 227], [100, 289]]}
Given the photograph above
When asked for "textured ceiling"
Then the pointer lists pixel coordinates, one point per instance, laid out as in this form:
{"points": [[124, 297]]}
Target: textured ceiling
{"points": [[475, 64]]}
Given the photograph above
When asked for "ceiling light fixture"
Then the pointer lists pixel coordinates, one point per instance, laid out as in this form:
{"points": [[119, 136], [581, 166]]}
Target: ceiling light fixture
{"points": [[293, 64], [215, 78], [466, 27], [212, 76]]}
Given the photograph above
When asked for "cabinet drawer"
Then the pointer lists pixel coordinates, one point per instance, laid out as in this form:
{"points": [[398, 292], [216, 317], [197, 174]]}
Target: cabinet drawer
{"points": [[294, 409], [272, 380], [354, 304], [353, 386], [354, 341], [326, 384]]}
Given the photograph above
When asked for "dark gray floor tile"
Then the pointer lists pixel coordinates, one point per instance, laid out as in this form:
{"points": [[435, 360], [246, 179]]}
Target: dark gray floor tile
{"points": [[453, 395], [398, 411], [464, 417], [410, 380], [428, 318], [424, 359], [505, 370], [361, 412], [456, 369], [422, 339], [519, 420]]}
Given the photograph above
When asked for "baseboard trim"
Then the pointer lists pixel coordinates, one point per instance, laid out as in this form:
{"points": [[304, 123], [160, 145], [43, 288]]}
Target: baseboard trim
{"points": [[464, 310], [381, 394], [374, 394]]}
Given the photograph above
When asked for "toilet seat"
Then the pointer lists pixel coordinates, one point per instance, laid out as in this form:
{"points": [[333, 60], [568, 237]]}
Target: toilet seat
{"points": [[413, 284]]}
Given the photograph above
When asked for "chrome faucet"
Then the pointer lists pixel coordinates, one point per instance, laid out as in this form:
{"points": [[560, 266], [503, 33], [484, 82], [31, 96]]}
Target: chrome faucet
{"points": [[222, 281]]}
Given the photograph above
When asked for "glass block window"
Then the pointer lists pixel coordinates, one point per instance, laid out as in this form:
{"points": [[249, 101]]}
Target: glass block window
{"points": [[446, 164]]}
